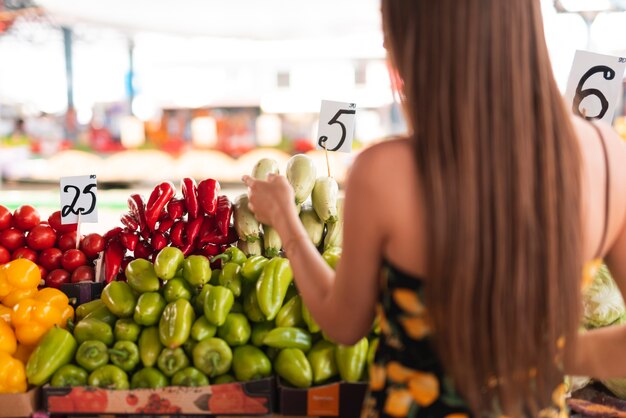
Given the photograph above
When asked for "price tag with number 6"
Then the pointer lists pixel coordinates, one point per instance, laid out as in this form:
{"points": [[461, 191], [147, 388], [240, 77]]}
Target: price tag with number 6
{"points": [[594, 85], [78, 195], [336, 128]]}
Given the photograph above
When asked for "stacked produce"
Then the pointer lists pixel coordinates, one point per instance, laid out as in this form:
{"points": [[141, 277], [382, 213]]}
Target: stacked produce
{"points": [[50, 244], [196, 223]]}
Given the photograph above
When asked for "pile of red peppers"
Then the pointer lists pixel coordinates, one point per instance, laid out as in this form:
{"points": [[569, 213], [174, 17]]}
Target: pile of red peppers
{"points": [[198, 223]]}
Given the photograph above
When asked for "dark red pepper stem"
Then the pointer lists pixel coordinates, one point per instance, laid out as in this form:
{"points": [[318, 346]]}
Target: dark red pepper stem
{"points": [[129, 240], [190, 194], [129, 221], [223, 213], [113, 256], [176, 209], [159, 197], [208, 191], [138, 209]]}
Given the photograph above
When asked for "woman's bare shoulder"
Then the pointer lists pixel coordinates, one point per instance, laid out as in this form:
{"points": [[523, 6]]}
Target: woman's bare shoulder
{"points": [[391, 157]]}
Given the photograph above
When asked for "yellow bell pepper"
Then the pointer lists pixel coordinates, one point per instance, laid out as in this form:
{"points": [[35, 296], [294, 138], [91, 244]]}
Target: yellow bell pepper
{"points": [[18, 280], [12, 374], [33, 317], [23, 352], [5, 313], [8, 344]]}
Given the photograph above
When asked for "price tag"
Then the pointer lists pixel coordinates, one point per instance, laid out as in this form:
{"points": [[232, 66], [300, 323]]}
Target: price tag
{"points": [[336, 128], [78, 195], [594, 85]]}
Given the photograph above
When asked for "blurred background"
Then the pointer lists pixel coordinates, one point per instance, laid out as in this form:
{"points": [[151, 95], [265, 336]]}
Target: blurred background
{"points": [[140, 91]]}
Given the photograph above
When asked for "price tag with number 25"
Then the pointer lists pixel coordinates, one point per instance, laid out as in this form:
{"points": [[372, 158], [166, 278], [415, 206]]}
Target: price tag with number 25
{"points": [[594, 85], [78, 195], [336, 128]]}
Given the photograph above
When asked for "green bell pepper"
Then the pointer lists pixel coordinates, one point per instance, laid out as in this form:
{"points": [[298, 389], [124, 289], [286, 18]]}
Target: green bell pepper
{"points": [[230, 278], [69, 375], [175, 323], [197, 270], [371, 351], [288, 337], [102, 313], [199, 300], [92, 354], [190, 376], [126, 329], [308, 320], [290, 315], [225, 378], [149, 308], [109, 377], [235, 330], [172, 360], [125, 355], [149, 346], [202, 329], [56, 349], [251, 304], [322, 361], [86, 308], [167, 262], [231, 255], [292, 292], [212, 356], [351, 360], [259, 331], [189, 346], [292, 365], [332, 256], [272, 285], [119, 299], [272, 352], [141, 276], [149, 378], [250, 363], [93, 329], [215, 277], [177, 288], [217, 304], [253, 267]]}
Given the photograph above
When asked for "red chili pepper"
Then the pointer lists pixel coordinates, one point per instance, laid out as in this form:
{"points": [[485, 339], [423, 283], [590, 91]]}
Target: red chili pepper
{"points": [[143, 250], [159, 197], [111, 234], [190, 194], [208, 190], [138, 209], [192, 231], [145, 234], [223, 214], [206, 230], [209, 250], [159, 240], [125, 262], [215, 237], [165, 224], [176, 233], [129, 221], [113, 256], [176, 208], [129, 239], [187, 249]]}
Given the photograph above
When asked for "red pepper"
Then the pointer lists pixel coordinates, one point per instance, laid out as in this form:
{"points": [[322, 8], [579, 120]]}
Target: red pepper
{"points": [[223, 214], [176, 233], [176, 208], [187, 249], [208, 190], [113, 256], [158, 241], [129, 221], [159, 197], [138, 209], [143, 250], [209, 250], [111, 234], [129, 239], [125, 262], [165, 224], [208, 225], [190, 194], [192, 231], [145, 234]]}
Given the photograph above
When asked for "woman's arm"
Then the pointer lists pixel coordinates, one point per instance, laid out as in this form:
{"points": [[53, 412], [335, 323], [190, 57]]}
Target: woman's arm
{"points": [[341, 302]]}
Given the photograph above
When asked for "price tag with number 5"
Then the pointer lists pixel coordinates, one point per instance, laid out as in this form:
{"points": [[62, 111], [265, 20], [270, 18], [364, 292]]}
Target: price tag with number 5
{"points": [[78, 195], [594, 85], [336, 128]]}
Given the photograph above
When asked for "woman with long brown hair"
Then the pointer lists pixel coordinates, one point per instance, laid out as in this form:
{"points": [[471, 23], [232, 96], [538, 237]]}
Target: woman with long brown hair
{"points": [[481, 220]]}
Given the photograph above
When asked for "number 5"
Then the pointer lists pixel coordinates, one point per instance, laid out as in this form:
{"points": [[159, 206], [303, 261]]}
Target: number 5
{"points": [[335, 120]]}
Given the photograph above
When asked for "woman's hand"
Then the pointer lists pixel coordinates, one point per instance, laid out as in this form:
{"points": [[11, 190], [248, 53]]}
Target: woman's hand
{"points": [[271, 201]]}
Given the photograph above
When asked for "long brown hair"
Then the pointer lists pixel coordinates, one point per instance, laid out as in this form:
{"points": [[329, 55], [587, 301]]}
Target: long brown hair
{"points": [[500, 171]]}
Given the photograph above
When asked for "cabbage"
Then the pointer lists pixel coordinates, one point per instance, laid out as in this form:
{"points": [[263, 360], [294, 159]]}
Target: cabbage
{"points": [[602, 301]]}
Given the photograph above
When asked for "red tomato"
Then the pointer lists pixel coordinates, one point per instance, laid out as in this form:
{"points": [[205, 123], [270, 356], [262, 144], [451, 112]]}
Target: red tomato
{"points": [[5, 255], [91, 245], [72, 259], [57, 277], [67, 241], [12, 239], [41, 237], [55, 222], [24, 252], [26, 217], [83, 274], [5, 218], [50, 258]]}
